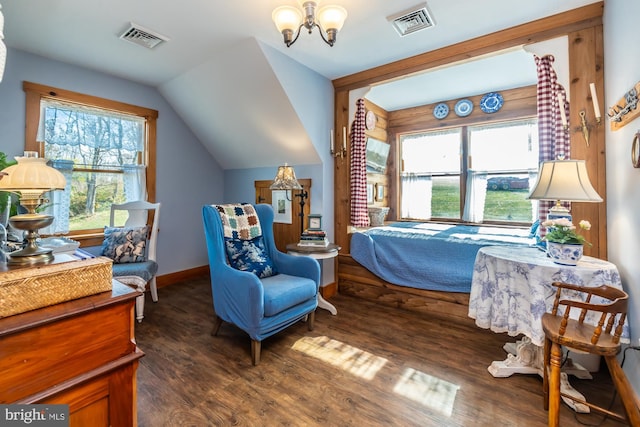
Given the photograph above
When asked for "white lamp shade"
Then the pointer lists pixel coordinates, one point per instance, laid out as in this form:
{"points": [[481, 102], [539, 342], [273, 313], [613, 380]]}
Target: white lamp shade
{"points": [[287, 18], [32, 173], [565, 180], [285, 179], [332, 17]]}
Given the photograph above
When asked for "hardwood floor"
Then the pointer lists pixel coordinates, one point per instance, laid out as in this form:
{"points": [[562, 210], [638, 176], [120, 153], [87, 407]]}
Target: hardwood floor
{"points": [[368, 366]]}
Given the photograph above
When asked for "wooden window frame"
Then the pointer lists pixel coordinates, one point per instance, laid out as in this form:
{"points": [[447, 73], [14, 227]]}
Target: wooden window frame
{"points": [[34, 93]]}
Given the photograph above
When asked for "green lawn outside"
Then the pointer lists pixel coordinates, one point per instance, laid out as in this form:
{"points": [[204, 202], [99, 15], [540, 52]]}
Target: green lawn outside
{"points": [[500, 205], [97, 220]]}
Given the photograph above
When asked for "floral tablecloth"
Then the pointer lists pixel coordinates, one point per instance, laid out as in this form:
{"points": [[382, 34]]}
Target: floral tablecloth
{"points": [[511, 288]]}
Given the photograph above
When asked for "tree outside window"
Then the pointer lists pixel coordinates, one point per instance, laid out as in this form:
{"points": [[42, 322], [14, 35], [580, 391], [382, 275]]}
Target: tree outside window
{"points": [[105, 149]]}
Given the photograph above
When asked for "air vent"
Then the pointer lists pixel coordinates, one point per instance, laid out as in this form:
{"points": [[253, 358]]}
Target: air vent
{"points": [[142, 36], [412, 20]]}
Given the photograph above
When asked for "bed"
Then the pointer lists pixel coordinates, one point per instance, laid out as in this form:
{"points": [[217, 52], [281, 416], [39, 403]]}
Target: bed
{"points": [[420, 266]]}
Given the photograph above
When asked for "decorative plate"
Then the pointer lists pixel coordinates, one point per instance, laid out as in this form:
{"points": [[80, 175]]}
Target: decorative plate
{"points": [[370, 120], [441, 111], [463, 108], [491, 102]]}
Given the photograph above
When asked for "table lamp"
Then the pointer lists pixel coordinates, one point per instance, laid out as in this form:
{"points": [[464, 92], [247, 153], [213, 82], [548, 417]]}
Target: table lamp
{"points": [[563, 180], [31, 178], [286, 180]]}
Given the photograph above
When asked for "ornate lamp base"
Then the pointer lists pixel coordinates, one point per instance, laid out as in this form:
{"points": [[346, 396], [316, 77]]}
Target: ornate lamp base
{"points": [[32, 253]]}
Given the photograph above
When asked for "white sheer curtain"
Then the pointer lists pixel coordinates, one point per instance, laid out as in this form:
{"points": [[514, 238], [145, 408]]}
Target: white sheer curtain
{"points": [[59, 201], [476, 196], [135, 182], [416, 196], [533, 178], [91, 139]]}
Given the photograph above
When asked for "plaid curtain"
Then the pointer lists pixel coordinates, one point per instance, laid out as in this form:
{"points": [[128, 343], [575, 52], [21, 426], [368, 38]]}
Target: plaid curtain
{"points": [[359, 212], [554, 141]]}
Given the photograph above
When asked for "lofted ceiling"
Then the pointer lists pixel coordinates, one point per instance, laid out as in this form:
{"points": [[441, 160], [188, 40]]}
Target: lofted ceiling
{"points": [[215, 46]]}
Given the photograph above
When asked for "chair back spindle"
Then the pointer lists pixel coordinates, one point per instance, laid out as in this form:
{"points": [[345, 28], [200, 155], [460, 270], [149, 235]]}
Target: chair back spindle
{"points": [[589, 331]]}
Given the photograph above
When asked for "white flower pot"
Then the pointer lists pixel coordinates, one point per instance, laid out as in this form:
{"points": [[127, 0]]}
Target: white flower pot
{"points": [[565, 253]]}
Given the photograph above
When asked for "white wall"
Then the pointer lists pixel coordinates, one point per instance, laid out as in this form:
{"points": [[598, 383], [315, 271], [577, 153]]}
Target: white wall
{"points": [[187, 176], [622, 72]]}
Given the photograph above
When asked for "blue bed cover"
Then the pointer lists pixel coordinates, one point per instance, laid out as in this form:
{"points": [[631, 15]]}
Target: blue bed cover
{"points": [[431, 256]]}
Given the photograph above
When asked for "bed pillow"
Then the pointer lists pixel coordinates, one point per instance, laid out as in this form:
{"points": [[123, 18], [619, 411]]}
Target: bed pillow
{"points": [[125, 244], [250, 255]]}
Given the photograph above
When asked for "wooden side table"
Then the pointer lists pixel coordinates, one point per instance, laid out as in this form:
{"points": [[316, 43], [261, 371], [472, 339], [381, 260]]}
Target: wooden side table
{"points": [[320, 253]]}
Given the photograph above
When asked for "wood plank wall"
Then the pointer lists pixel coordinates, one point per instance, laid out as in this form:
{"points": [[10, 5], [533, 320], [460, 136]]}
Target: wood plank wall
{"points": [[518, 103], [380, 133], [583, 26]]}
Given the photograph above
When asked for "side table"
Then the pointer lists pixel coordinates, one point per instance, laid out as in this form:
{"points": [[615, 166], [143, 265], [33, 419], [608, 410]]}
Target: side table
{"points": [[511, 289], [320, 253]]}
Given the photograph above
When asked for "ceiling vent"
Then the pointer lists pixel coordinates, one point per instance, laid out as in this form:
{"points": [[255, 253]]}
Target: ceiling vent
{"points": [[142, 36], [412, 20]]}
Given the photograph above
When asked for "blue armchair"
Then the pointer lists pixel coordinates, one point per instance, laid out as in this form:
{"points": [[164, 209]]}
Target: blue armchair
{"points": [[261, 306]]}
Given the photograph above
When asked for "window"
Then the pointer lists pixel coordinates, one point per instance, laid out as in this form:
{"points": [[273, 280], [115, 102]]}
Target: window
{"points": [[472, 173], [106, 150]]}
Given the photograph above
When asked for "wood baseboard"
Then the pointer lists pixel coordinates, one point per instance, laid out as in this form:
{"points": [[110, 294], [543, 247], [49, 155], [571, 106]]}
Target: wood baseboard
{"points": [[179, 276]]}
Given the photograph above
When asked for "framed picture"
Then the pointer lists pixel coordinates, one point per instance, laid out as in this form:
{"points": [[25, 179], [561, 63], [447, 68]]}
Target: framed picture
{"points": [[315, 222], [379, 192], [377, 154], [369, 192], [281, 203]]}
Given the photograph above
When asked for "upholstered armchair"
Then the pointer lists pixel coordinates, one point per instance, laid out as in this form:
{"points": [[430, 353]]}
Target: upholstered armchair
{"points": [[256, 287]]}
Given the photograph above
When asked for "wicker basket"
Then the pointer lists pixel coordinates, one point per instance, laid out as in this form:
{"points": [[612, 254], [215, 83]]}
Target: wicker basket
{"points": [[25, 289], [377, 215]]}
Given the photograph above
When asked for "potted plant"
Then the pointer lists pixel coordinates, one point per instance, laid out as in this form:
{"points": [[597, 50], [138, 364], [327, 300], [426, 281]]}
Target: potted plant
{"points": [[564, 245]]}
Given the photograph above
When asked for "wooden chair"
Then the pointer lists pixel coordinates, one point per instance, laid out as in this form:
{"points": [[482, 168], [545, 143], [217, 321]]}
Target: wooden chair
{"points": [[602, 339]]}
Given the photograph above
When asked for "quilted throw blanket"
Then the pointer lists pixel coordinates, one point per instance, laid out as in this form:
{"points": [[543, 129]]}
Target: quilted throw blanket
{"points": [[239, 221], [429, 255], [243, 240]]}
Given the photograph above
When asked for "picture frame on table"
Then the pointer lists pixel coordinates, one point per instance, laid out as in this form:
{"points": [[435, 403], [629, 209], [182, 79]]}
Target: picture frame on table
{"points": [[315, 222]]}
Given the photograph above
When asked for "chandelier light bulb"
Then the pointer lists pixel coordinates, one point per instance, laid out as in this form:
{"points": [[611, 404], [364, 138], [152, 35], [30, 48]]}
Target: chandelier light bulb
{"points": [[290, 21]]}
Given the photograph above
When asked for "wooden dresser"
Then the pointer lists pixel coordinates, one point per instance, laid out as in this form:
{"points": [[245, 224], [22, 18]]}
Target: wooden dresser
{"points": [[81, 353]]}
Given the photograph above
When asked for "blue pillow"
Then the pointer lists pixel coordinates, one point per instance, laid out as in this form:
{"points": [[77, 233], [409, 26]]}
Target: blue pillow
{"points": [[250, 255]]}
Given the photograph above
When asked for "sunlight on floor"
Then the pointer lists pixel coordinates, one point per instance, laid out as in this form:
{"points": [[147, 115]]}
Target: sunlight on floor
{"points": [[351, 359], [427, 390]]}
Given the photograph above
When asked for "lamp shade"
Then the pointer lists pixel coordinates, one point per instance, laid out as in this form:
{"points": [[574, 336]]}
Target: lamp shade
{"points": [[32, 173], [565, 180], [287, 18], [285, 179], [332, 17]]}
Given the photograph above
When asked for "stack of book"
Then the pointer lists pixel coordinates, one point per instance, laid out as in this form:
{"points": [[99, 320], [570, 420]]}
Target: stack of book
{"points": [[314, 238]]}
